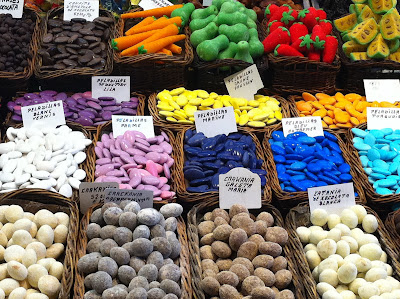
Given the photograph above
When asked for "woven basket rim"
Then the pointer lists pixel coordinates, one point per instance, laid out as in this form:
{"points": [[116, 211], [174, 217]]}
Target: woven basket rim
{"points": [[308, 281], [82, 71], [79, 288], [42, 199], [193, 221], [391, 227], [33, 48]]}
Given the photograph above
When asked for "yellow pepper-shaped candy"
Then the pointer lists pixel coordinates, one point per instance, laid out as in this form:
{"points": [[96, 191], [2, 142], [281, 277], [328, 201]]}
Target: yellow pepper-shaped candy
{"points": [[244, 118], [164, 106], [171, 119], [164, 97], [278, 115], [179, 114], [177, 91], [217, 104], [166, 113], [260, 117], [203, 94], [182, 100], [256, 124], [237, 118], [254, 103], [213, 95], [190, 110], [207, 102], [172, 103], [195, 101]]}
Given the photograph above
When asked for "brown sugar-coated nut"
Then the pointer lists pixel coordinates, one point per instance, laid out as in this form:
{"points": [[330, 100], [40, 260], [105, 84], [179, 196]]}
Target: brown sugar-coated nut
{"points": [[209, 272], [207, 216], [244, 222], [222, 232], [248, 250], [241, 271], [206, 227], [209, 264], [282, 279], [267, 217], [266, 276], [207, 239], [263, 293], [236, 209], [277, 234], [224, 264], [285, 294], [280, 263], [270, 248], [220, 213], [264, 261], [207, 253], [229, 292], [228, 277], [237, 238], [256, 238], [219, 221], [261, 227], [245, 262], [250, 283], [221, 249]]}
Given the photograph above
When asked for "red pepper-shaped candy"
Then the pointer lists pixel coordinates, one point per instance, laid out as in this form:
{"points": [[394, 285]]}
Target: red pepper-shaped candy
{"points": [[326, 26], [329, 52], [279, 36], [304, 44], [270, 10], [289, 17], [274, 25], [308, 18], [314, 55], [297, 30], [318, 36], [278, 13], [286, 50], [321, 14]]}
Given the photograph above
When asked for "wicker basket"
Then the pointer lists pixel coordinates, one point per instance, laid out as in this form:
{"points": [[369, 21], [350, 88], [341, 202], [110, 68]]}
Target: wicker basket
{"points": [[33, 200], [107, 128], [353, 73], [86, 165], [390, 223], [9, 122], [154, 71], [288, 200], [182, 183], [152, 104], [71, 79], [194, 219], [17, 80], [379, 202], [300, 216], [79, 287]]}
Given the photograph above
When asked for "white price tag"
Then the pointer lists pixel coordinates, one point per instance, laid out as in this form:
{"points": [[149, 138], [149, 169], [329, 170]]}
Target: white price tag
{"points": [[332, 198], [207, 3], [50, 114], [311, 125], [118, 87], [244, 84], [13, 7], [151, 4], [92, 193], [215, 121], [143, 197], [123, 123], [382, 118], [239, 186], [382, 90], [85, 9]]}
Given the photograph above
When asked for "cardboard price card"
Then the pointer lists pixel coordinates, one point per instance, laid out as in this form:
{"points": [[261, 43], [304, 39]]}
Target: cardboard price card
{"points": [[91, 193], [239, 186], [50, 114], [13, 7], [123, 123], [150, 4], [382, 118], [85, 9], [333, 198], [143, 197], [215, 121], [311, 125], [380, 90], [118, 87]]}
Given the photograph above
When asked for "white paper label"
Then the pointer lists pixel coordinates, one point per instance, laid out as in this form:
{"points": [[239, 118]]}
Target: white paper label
{"points": [[123, 123], [50, 114], [207, 3], [92, 193], [382, 118], [143, 197], [311, 125], [13, 7], [382, 90], [332, 198], [85, 9], [240, 186], [244, 84], [151, 4], [215, 121], [118, 87]]}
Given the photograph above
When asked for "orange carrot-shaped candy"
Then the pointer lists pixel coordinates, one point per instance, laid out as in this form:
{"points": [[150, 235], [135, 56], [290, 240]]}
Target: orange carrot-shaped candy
{"points": [[124, 42], [156, 12], [164, 51], [159, 44], [174, 49], [145, 21], [156, 25]]}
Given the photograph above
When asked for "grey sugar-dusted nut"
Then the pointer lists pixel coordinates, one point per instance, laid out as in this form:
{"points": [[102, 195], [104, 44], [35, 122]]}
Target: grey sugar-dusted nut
{"points": [[170, 271], [88, 281], [138, 282], [133, 206], [137, 293], [106, 246], [101, 281], [150, 272], [108, 265], [93, 231], [126, 274], [155, 293], [141, 231], [128, 247], [171, 210], [122, 235], [107, 232], [170, 296], [88, 263], [154, 284], [168, 261], [162, 245], [111, 215], [175, 248], [157, 231], [108, 205], [162, 221], [142, 247], [122, 286], [114, 293], [94, 245], [92, 294], [97, 217], [149, 216], [120, 255], [128, 220], [155, 258], [136, 263], [124, 203], [171, 224], [170, 286]]}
